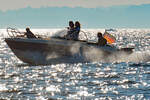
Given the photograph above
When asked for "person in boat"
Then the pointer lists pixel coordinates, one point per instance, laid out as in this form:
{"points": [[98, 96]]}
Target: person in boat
{"points": [[101, 40], [76, 30], [29, 34], [73, 32], [70, 30]]}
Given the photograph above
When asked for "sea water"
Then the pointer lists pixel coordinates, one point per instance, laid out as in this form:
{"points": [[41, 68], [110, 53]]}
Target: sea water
{"points": [[126, 78]]}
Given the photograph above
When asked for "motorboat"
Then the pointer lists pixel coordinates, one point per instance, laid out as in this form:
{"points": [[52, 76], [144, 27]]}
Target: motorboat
{"points": [[54, 50]]}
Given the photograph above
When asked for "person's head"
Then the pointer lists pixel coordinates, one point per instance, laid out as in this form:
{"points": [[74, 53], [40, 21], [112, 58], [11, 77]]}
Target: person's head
{"points": [[27, 29], [99, 34], [77, 24], [71, 24]]}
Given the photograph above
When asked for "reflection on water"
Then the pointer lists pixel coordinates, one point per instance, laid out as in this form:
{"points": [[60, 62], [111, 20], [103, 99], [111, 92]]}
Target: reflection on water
{"points": [[95, 80]]}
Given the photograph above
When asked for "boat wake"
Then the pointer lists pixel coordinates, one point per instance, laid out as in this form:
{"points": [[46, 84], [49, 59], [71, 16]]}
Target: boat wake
{"points": [[135, 57], [97, 55]]}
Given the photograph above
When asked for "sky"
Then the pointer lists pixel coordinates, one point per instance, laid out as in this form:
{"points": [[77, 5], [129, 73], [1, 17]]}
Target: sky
{"points": [[90, 13]]}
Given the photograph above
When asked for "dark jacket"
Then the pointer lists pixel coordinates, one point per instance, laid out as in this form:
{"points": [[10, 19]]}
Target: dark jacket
{"points": [[102, 41], [29, 34], [76, 33]]}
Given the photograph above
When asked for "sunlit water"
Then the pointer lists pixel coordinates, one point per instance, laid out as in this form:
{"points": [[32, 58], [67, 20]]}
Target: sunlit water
{"points": [[86, 81]]}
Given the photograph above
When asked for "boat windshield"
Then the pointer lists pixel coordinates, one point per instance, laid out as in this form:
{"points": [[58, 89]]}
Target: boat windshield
{"points": [[62, 33]]}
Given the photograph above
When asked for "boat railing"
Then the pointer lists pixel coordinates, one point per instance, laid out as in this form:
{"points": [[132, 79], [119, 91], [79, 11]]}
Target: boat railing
{"points": [[85, 34], [13, 32]]}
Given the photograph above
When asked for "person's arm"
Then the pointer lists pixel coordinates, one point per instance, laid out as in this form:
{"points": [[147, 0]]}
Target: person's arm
{"points": [[22, 35]]}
